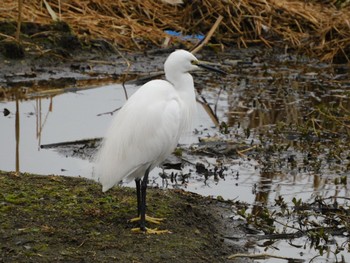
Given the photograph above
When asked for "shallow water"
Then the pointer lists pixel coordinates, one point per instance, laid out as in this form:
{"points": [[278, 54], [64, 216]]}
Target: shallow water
{"points": [[252, 105], [73, 117]]}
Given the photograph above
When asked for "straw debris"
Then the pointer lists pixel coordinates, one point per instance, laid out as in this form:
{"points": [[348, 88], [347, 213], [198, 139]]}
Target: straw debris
{"points": [[317, 29]]}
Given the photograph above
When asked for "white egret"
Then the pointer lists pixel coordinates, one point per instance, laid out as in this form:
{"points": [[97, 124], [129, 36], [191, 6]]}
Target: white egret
{"points": [[148, 127]]}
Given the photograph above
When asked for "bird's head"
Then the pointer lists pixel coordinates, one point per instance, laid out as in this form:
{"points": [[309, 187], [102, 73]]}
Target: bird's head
{"points": [[182, 61]]}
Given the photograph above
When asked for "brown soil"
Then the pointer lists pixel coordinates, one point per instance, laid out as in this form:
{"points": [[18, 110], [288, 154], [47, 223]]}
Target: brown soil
{"points": [[61, 219]]}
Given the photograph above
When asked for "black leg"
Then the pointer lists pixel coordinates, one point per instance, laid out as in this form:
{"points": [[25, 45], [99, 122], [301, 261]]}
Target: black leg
{"points": [[143, 200], [138, 192]]}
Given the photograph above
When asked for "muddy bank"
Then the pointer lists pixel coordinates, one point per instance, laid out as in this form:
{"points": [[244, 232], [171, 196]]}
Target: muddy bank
{"points": [[62, 219], [83, 68], [53, 60], [52, 57]]}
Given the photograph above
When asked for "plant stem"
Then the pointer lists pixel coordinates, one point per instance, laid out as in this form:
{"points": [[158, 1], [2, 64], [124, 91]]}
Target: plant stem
{"points": [[19, 19]]}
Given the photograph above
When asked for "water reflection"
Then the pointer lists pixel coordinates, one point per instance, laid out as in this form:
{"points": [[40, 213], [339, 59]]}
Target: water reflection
{"points": [[262, 190], [39, 125], [257, 107], [296, 117], [17, 128], [299, 123], [52, 119], [40, 121]]}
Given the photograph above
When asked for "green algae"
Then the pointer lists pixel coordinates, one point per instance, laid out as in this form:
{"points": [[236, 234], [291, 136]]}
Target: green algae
{"points": [[62, 219]]}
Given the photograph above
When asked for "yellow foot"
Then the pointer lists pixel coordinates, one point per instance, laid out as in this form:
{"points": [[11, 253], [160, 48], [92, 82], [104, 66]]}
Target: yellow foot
{"points": [[148, 219], [154, 231]]}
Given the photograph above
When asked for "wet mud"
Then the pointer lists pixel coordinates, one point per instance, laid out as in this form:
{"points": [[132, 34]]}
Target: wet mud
{"points": [[63, 219]]}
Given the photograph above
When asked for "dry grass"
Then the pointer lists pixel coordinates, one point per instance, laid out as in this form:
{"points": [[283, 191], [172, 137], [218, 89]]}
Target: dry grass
{"points": [[317, 29]]}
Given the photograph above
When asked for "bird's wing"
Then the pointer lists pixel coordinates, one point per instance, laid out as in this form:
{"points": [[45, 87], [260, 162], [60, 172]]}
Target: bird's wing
{"points": [[143, 133]]}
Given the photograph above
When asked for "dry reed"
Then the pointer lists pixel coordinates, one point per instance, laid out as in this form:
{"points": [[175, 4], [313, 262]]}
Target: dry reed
{"points": [[310, 27]]}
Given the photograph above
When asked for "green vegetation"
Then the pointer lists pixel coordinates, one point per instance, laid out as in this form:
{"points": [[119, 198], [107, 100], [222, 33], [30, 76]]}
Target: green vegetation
{"points": [[53, 218]]}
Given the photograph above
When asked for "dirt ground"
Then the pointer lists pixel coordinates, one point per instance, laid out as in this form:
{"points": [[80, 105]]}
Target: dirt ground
{"points": [[62, 219]]}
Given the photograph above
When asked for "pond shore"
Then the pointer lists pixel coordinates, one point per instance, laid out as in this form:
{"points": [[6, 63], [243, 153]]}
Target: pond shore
{"points": [[64, 219]]}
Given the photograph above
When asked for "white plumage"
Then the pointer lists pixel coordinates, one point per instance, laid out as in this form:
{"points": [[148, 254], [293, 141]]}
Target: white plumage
{"points": [[148, 127]]}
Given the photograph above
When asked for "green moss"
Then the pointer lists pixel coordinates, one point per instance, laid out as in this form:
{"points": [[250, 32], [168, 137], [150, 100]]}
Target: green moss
{"points": [[178, 152], [60, 219], [17, 198]]}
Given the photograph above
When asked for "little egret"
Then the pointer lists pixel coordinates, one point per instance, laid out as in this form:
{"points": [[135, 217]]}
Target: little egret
{"points": [[148, 127]]}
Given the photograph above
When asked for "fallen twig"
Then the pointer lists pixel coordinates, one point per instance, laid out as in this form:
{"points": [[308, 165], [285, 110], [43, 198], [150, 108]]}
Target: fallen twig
{"points": [[263, 256], [209, 35], [209, 111]]}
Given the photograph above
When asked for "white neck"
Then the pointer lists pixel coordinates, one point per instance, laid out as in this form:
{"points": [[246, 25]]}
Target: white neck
{"points": [[183, 83]]}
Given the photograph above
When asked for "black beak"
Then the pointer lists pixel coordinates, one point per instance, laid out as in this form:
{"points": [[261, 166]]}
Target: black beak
{"points": [[205, 65]]}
